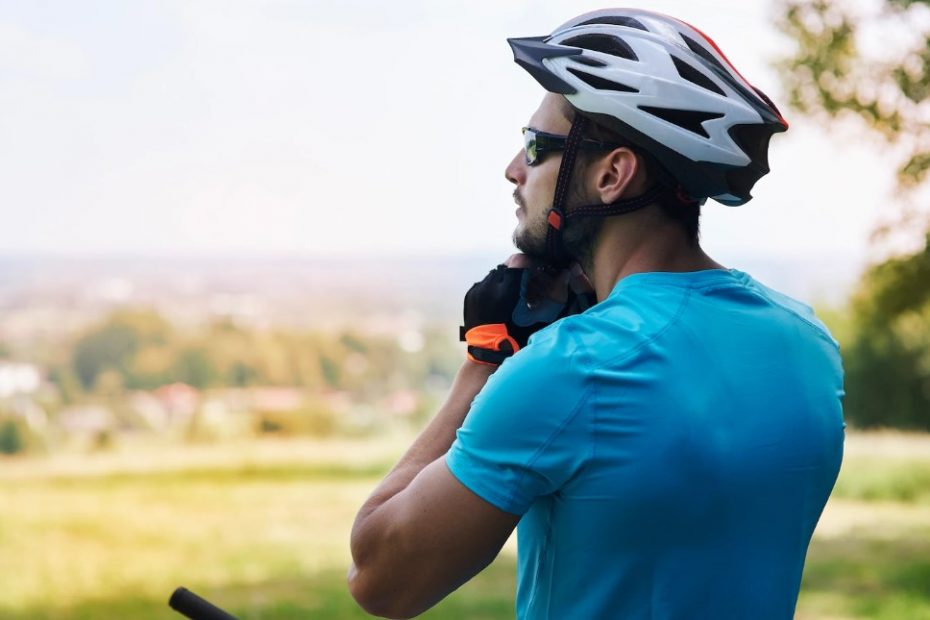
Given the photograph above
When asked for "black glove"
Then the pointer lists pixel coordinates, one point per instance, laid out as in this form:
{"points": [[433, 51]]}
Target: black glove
{"points": [[499, 318]]}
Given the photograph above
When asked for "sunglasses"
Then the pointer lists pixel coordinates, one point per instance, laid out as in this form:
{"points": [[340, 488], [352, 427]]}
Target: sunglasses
{"points": [[537, 143]]}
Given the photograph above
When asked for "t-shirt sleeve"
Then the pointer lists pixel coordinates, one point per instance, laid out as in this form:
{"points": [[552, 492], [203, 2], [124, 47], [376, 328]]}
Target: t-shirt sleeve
{"points": [[528, 430]]}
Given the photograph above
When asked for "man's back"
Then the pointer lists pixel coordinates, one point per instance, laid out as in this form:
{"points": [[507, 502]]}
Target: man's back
{"points": [[671, 450]]}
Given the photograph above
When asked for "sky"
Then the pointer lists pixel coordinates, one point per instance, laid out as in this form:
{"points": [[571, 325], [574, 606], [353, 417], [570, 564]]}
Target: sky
{"points": [[352, 128]]}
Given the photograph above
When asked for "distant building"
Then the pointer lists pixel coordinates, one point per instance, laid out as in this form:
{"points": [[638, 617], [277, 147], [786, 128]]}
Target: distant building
{"points": [[217, 417], [19, 378], [276, 399], [26, 408], [179, 400], [85, 419], [337, 401], [150, 408], [402, 403]]}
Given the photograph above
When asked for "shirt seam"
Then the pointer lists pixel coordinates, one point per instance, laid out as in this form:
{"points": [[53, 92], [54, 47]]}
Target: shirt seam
{"points": [[643, 343], [787, 310], [552, 437], [595, 435], [499, 500]]}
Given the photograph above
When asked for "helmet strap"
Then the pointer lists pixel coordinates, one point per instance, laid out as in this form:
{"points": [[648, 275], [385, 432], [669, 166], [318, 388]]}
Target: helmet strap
{"points": [[621, 206], [555, 249], [558, 216]]}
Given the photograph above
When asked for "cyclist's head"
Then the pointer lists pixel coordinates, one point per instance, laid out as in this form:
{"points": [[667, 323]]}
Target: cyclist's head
{"points": [[535, 171], [662, 87]]}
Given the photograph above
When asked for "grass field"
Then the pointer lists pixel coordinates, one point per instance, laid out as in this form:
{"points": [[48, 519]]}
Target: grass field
{"points": [[262, 529]]}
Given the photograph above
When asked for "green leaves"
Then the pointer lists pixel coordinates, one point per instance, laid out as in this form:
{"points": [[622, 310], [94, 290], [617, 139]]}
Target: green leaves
{"points": [[895, 287], [873, 64], [888, 358], [830, 75]]}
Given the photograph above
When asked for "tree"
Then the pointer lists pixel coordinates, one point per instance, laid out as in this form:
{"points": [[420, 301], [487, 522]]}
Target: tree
{"points": [[107, 348], [114, 344], [194, 367], [888, 359], [834, 72], [12, 440], [871, 63]]}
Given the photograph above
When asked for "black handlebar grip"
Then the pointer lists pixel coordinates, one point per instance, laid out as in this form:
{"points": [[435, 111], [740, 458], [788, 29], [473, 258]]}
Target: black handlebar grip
{"points": [[189, 604]]}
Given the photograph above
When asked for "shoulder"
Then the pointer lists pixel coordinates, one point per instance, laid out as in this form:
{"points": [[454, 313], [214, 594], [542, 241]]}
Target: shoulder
{"points": [[792, 308], [619, 325]]}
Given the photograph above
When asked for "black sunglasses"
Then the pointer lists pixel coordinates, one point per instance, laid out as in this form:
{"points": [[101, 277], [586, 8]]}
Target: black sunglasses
{"points": [[537, 143]]}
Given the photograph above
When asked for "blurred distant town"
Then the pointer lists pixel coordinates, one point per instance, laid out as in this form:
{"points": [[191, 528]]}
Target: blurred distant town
{"points": [[93, 352], [98, 351]]}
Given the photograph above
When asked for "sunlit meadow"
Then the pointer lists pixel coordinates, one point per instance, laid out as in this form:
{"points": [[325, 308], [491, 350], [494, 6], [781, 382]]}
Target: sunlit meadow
{"points": [[261, 528]]}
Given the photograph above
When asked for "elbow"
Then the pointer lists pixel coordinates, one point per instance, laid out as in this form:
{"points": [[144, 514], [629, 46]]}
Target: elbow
{"points": [[375, 600], [366, 586], [364, 594], [389, 576]]}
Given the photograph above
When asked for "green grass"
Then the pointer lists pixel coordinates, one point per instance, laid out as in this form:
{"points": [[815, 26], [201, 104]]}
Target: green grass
{"points": [[859, 577], [321, 595], [265, 535], [883, 479], [263, 540], [225, 475]]}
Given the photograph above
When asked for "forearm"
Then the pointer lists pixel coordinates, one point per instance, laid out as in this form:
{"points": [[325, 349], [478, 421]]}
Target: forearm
{"points": [[433, 442], [422, 533], [377, 541]]}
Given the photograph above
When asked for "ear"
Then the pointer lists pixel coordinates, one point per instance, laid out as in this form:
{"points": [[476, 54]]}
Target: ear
{"points": [[620, 174]]}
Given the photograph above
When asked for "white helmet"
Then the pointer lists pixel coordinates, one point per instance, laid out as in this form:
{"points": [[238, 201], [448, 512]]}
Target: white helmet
{"points": [[667, 88]]}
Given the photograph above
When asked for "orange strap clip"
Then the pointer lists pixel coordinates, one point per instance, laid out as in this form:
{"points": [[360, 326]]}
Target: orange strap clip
{"points": [[491, 337]]}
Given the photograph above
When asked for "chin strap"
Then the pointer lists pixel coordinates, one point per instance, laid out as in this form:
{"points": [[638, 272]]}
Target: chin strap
{"points": [[555, 249], [558, 216]]}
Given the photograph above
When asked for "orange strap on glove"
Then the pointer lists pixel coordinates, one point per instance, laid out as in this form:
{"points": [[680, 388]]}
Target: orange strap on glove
{"points": [[498, 318], [490, 344]]}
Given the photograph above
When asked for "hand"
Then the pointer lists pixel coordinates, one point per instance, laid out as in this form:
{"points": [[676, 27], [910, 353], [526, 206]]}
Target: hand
{"points": [[515, 300]]}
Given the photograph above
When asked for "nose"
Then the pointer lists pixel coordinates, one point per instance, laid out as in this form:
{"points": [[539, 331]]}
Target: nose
{"points": [[516, 169]]}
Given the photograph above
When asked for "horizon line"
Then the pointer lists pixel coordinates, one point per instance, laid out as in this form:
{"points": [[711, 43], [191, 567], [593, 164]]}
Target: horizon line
{"points": [[860, 257]]}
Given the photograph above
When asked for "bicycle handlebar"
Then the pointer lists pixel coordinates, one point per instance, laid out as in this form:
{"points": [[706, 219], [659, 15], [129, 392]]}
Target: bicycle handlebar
{"points": [[189, 604]]}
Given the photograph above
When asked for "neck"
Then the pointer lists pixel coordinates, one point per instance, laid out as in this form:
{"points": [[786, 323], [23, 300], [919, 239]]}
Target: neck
{"points": [[640, 242]]}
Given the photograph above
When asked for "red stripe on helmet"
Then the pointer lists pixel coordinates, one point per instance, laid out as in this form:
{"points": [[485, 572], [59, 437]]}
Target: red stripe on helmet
{"points": [[732, 66]]}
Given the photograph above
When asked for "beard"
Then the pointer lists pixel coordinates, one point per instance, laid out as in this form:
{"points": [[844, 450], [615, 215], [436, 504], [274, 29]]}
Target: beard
{"points": [[530, 237], [579, 236]]}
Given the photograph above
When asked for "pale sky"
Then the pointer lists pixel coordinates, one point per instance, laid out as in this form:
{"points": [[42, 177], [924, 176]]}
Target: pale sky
{"points": [[360, 127]]}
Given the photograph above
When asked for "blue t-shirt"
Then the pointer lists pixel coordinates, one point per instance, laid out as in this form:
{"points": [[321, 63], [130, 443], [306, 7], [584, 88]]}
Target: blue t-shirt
{"points": [[670, 451]]}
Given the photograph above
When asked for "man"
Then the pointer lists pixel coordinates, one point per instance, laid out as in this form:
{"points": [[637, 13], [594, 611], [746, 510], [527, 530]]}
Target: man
{"points": [[667, 452]]}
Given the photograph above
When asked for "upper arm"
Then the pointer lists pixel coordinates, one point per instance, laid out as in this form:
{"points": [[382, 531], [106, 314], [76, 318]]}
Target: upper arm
{"points": [[432, 537], [529, 431], [524, 437]]}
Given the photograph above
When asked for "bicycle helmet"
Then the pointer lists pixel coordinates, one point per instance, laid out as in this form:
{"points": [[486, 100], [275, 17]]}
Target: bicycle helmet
{"points": [[667, 88]]}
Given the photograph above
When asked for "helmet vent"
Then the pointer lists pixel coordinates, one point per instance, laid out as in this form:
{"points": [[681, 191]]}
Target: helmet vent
{"points": [[603, 43], [702, 51], [765, 108], [695, 77], [601, 83], [686, 119], [616, 20], [591, 62]]}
